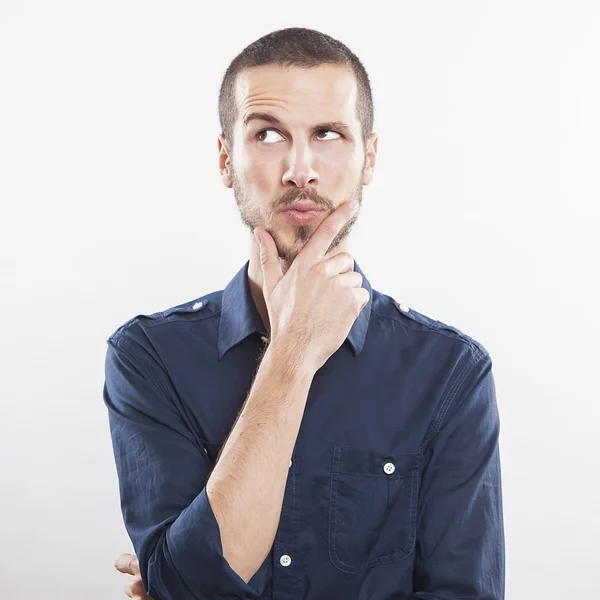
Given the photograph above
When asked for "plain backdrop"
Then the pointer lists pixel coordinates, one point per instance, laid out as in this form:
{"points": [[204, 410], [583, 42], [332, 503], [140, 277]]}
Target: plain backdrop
{"points": [[484, 214]]}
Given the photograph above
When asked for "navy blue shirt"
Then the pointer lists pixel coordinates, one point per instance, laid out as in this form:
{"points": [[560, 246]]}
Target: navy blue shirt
{"points": [[394, 488]]}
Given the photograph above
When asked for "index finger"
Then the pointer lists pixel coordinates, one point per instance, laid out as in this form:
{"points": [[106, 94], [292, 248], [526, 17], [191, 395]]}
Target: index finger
{"points": [[321, 239], [127, 563]]}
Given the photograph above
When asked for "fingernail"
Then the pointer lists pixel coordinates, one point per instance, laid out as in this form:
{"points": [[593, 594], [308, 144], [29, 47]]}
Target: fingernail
{"points": [[257, 237], [354, 204]]}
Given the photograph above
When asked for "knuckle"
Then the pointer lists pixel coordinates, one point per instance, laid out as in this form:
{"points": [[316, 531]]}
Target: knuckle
{"points": [[321, 269], [121, 566], [362, 296]]}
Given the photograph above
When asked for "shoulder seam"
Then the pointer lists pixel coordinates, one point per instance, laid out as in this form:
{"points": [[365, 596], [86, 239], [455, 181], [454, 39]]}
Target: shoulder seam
{"points": [[198, 317], [477, 348], [157, 318], [116, 335], [119, 343]]}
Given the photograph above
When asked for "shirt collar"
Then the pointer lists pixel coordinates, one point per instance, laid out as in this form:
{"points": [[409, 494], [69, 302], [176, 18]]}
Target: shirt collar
{"points": [[240, 318]]}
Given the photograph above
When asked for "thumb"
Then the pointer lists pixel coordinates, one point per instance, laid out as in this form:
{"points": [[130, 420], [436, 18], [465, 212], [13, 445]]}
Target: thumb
{"points": [[269, 260], [127, 563]]}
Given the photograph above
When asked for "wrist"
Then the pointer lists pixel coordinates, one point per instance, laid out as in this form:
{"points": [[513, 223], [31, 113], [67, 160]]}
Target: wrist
{"points": [[288, 362]]}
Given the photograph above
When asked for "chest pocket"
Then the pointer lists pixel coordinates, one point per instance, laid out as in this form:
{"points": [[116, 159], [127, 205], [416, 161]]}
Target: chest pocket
{"points": [[372, 508]]}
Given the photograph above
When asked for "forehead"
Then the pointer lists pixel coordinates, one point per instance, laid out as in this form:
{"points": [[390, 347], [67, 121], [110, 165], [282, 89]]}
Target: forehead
{"points": [[325, 92]]}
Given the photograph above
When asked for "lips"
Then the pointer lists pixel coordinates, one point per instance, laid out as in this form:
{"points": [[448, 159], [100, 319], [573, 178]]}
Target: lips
{"points": [[302, 206], [301, 217]]}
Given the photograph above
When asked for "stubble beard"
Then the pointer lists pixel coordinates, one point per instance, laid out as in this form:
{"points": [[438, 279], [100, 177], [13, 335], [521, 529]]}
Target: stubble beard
{"points": [[250, 214]]}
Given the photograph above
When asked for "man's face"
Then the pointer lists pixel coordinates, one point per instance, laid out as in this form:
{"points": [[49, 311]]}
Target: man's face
{"points": [[276, 163]]}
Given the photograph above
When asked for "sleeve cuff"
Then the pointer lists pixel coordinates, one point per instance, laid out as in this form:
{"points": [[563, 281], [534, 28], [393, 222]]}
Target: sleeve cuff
{"points": [[194, 543]]}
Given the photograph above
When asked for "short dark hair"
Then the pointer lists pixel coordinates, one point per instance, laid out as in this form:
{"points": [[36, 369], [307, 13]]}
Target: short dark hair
{"points": [[295, 47]]}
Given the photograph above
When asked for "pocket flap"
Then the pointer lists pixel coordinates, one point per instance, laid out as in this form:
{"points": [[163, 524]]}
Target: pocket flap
{"points": [[366, 461]]}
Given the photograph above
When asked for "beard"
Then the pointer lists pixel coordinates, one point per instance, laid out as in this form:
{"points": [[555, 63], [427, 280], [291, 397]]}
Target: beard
{"points": [[251, 215]]}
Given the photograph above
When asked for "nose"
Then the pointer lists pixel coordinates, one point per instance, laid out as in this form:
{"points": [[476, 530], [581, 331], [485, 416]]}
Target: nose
{"points": [[300, 171]]}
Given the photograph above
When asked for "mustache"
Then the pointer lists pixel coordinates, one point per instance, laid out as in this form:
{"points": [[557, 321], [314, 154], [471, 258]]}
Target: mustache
{"points": [[308, 194]]}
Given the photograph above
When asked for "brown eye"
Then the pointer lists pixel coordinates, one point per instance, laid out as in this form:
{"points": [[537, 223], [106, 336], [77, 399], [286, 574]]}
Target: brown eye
{"points": [[328, 131], [264, 131]]}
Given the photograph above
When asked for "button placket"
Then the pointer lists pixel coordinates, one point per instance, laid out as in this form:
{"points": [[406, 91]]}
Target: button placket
{"points": [[284, 579], [285, 560]]}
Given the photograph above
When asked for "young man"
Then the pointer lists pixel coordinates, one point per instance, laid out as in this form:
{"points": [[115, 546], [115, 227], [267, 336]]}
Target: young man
{"points": [[300, 434]]}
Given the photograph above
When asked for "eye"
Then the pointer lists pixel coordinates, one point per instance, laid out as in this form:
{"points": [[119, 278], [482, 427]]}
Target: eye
{"points": [[265, 131], [329, 131]]}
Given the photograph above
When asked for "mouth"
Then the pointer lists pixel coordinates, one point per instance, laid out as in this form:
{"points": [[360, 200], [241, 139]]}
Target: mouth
{"points": [[302, 206], [301, 214]]}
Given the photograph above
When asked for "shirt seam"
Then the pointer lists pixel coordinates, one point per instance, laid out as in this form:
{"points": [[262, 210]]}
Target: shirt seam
{"points": [[155, 321], [450, 393], [192, 317], [123, 345], [432, 329]]}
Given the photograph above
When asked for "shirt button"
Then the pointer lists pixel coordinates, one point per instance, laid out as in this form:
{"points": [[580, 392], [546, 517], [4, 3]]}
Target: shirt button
{"points": [[198, 305], [389, 468], [285, 560], [290, 463], [403, 308]]}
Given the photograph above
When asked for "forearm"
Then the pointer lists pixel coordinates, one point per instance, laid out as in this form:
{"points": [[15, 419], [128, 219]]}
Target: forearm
{"points": [[247, 485]]}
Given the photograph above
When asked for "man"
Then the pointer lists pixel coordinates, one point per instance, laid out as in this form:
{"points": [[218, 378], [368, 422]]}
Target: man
{"points": [[300, 434]]}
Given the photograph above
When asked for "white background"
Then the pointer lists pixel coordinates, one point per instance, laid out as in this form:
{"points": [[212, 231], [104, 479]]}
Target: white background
{"points": [[484, 214]]}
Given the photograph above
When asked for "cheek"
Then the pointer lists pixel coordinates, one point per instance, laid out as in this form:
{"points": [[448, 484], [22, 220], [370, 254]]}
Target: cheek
{"points": [[342, 176], [260, 180], [262, 176], [339, 162]]}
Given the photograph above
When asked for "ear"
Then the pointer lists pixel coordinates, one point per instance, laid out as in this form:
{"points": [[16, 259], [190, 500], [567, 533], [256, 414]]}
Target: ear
{"points": [[224, 161], [370, 157]]}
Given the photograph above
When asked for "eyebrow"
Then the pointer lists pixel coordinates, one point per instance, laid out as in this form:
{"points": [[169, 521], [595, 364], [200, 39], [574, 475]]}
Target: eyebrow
{"points": [[329, 125]]}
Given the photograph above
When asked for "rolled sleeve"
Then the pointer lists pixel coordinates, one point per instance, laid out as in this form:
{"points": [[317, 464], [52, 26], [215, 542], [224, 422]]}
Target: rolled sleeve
{"points": [[460, 530], [162, 470]]}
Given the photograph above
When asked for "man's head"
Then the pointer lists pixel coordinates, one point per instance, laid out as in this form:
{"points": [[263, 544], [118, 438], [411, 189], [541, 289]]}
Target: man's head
{"points": [[296, 114]]}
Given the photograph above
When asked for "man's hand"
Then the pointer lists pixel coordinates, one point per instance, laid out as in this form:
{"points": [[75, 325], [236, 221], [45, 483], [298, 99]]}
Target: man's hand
{"points": [[313, 306], [128, 564]]}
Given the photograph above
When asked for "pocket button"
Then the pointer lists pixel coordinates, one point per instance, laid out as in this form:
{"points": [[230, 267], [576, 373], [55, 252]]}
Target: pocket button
{"points": [[389, 468]]}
